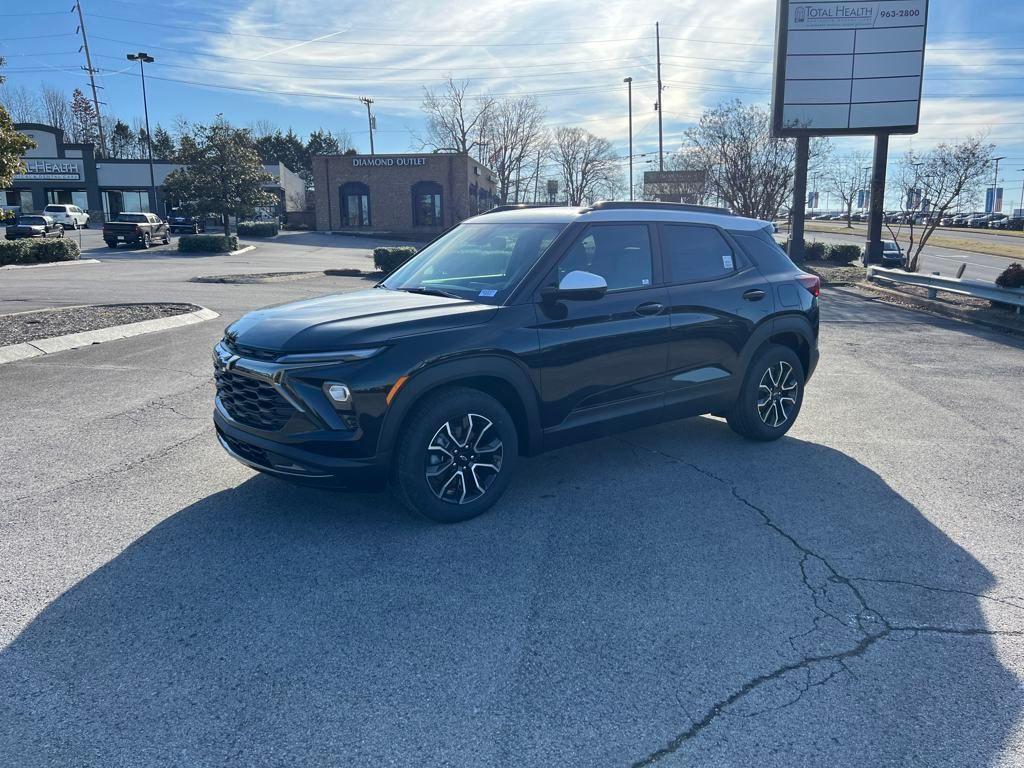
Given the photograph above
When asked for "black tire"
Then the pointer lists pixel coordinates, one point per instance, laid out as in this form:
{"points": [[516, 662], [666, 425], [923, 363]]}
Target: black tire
{"points": [[771, 374], [424, 445], [195, 229], [111, 243], [147, 240], [60, 232], [167, 237]]}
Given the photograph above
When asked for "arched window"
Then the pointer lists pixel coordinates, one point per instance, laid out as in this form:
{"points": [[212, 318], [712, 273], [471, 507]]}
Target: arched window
{"points": [[355, 204], [427, 204]]}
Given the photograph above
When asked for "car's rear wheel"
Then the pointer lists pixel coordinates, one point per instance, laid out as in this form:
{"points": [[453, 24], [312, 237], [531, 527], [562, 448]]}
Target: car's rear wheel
{"points": [[60, 231], [147, 240], [771, 396], [456, 455], [111, 243]]}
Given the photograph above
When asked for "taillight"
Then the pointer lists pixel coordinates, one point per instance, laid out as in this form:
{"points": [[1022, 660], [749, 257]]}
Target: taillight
{"points": [[812, 283], [138, 228]]}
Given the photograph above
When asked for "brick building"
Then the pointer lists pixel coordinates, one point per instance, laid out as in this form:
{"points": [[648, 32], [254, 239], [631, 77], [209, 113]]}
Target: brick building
{"points": [[415, 194]]}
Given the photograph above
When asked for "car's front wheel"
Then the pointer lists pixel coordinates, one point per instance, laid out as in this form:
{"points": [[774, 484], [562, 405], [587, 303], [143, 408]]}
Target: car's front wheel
{"points": [[771, 397], [147, 240], [456, 455]]}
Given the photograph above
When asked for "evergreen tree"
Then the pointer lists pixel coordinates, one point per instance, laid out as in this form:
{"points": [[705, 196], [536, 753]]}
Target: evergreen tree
{"points": [[84, 124]]}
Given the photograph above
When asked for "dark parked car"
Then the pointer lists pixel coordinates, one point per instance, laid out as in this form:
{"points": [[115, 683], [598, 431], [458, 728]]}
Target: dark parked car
{"points": [[517, 332], [34, 226], [139, 228], [179, 221]]}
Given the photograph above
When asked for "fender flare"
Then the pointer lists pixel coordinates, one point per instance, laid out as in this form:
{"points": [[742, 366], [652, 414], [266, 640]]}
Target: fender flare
{"points": [[424, 380], [789, 323]]}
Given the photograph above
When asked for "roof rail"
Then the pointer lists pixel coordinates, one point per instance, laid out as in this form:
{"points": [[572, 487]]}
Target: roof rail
{"points": [[513, 207], [610, 205]]}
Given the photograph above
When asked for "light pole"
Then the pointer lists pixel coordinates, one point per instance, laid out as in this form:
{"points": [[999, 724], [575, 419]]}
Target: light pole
{"points": [[369, 119], [143, 59], [629, 87], [995, 183], [1021, 170]]}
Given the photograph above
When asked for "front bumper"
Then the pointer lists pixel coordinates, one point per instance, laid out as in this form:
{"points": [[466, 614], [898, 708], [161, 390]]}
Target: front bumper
{"points": [[310, 462]]}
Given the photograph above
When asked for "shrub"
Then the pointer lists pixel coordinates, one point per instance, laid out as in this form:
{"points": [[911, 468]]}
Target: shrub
{"points": [[813, 251], [38, 251], [207, 243], [257, 228], [1012, 277], [843, 254], [387, 260]]}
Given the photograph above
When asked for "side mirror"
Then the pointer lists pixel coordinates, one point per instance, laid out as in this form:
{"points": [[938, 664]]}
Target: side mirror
{"points": [[579, 286]]}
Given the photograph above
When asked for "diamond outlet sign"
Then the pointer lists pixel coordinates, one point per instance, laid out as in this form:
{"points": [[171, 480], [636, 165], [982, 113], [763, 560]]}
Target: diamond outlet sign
{"points": [[851, 67]]}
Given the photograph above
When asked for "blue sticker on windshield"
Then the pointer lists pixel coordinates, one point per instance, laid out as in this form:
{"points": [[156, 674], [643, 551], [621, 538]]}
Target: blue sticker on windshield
{"points": [[488, 292]]}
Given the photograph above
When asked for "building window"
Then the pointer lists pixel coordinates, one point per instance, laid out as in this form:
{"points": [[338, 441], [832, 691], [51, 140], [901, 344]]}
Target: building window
{"points": [[77, 197], [427, 206], [355, 204], [117, 201], [474, 200]]}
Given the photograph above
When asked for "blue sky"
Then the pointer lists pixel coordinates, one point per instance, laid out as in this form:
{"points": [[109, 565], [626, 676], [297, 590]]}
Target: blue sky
{"points": [[303, 63]]}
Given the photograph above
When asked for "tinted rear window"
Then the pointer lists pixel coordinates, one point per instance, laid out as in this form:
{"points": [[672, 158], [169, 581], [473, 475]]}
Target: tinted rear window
{"points": [[32, 220], [764, 250], [134, 218], [695, 254], [55, 208]]}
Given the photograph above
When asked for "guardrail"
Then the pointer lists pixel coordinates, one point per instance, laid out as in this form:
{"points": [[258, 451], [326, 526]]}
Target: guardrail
{"points": [[936, 283]]}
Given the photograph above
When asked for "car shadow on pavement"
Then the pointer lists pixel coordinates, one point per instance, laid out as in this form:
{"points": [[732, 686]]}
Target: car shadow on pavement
{"points": [[642, 600]]}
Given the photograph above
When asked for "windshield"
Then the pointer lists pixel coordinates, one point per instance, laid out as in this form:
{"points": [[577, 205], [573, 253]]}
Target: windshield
{"points": [[132, 217], [481, 262]]}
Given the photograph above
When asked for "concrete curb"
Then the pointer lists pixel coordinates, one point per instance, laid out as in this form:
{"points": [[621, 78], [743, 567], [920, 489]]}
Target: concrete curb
{"points": [[38, 347], [73, 263], [932, 307], [241, 251]]}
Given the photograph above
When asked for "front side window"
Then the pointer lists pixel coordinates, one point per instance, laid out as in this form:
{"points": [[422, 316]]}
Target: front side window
{"points": [[694, 253], [355, 204], [427, 210], [477, 261], [620, 253]]}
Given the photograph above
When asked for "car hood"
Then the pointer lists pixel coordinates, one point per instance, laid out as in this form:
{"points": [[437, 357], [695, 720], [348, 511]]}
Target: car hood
{"points": [[363, 318]]}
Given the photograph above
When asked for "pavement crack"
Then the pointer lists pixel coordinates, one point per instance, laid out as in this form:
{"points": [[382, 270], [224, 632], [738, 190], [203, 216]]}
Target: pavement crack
{"points": [[1011, 601]]}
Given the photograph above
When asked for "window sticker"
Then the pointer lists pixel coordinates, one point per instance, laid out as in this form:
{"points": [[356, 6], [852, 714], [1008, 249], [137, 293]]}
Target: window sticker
{"points": [[488, 293], [727, 260], [645, 281]]}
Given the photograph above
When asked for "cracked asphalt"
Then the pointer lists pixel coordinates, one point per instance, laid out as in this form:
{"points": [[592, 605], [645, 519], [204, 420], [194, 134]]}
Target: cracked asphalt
{"points": [[851, 595]]}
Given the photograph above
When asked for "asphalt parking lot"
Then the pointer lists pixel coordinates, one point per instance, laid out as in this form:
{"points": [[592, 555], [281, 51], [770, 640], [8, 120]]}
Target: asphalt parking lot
{"points": [[851, 595]]}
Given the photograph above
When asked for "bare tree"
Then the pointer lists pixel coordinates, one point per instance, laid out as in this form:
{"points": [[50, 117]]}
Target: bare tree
{"points": [[587, 164], [56, 109], [845, 178], [22, 104], [940, 176], [749, 171], [515, 136], [455, 120]]}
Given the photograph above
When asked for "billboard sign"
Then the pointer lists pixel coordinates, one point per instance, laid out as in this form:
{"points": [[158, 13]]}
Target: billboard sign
{"points": [[676, 186], [848, 68]]}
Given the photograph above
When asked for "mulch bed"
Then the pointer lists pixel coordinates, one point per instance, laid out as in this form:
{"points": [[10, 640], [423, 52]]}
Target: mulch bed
{"points": [[45, 323]]}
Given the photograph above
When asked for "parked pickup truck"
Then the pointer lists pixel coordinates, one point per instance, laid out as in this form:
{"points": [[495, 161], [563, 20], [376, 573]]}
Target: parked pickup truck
{"points": [[141, 228], [34, 226]]}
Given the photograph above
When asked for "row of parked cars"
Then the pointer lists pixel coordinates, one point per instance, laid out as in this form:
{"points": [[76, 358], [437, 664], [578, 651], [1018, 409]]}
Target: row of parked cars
{"points": [[128, 227], [969, 220]]}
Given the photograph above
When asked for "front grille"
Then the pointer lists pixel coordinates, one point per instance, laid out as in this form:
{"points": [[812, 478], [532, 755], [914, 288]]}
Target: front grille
{"points": [[247, 451], [252, 402], [250, 352]]}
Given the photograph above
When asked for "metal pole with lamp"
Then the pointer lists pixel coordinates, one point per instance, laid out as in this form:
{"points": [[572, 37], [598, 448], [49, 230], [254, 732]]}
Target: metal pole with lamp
{"points": [[629, 85], [143, 59], [1021, 170], [995, 184]]}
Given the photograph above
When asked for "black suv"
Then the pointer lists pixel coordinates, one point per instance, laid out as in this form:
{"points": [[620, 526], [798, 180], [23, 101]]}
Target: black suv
{"points": [[516, 332]]}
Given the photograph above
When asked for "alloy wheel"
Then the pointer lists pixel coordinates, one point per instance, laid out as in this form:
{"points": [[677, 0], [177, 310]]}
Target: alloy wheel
{"points": [[777, 394], [463, 459]]}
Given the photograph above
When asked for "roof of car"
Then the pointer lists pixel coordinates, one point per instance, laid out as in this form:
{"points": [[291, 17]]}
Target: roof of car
{"points": [[621, 212]]}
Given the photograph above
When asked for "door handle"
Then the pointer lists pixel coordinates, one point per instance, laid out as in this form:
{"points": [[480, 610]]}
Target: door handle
{"points": [[754, 295], [651, 308]]}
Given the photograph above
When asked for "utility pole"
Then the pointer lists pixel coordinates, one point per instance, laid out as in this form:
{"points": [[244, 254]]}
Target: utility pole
{"points": [[1021, 170], [369, 119], [536, 181], [143, 59], [657, 105], [92, 76], [995, 183], [798, 209], [629, 85]]}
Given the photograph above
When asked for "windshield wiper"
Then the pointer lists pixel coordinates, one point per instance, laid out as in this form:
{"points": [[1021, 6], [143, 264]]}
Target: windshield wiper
{"points": [[426, 291]]}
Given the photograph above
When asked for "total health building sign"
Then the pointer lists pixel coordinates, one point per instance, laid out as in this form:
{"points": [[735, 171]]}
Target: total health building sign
{"points": [[847, 68]]}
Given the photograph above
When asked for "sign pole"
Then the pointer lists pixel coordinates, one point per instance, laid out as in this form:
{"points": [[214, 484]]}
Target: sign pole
{"points": [[796, 236], [873, 249]]}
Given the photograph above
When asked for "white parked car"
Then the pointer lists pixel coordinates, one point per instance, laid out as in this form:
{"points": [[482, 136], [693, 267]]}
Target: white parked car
{"points": [[71, 216]]}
